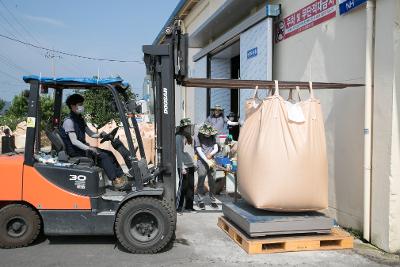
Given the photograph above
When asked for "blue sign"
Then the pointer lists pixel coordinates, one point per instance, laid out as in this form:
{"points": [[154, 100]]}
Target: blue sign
{"points": [[348, 5], [252, 52]]}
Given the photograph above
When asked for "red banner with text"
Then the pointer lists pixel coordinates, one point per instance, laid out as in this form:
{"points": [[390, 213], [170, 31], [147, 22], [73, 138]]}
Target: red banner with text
{"points": [[305, 18]]}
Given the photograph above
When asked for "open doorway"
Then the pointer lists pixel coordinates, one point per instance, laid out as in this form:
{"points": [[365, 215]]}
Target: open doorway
{"points": [[225, 65]]}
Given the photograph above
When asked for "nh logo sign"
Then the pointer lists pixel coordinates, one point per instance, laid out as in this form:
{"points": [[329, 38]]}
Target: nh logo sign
{"points": [[347, 5], [350, 4]]}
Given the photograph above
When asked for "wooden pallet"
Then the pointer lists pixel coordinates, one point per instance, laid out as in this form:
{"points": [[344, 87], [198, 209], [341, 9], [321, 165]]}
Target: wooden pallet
{"points": [[337, 239]]}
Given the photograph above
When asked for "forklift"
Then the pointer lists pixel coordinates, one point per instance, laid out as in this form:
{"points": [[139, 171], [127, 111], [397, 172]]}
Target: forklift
{"points": [[53, 193], [62, 195]]}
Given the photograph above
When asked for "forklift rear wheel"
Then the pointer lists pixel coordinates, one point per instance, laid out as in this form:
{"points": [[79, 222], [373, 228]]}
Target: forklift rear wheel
{"points": [[145, 225], [19, 226]]}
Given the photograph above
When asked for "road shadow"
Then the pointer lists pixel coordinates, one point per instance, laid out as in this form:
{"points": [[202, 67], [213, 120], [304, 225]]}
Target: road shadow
{"points": [[81, 240], [99, 240]]}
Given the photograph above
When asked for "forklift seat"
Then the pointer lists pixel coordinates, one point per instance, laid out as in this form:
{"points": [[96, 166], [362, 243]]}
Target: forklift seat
{"points": [[58, 144]]}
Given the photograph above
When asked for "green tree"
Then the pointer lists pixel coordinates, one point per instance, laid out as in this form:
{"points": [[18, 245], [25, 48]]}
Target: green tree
{"points": [[19, 106], [47, 112], [2, 104], [18, 110], [9, 120], [100, 106]]}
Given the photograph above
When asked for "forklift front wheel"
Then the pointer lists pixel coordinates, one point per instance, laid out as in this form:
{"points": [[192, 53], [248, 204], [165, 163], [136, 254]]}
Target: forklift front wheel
{"points": [[19, 226], [144, 225]]}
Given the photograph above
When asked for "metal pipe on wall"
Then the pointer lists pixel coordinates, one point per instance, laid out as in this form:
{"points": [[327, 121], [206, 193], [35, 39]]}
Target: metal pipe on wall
{"points": [[369, 90], [270, 45]]}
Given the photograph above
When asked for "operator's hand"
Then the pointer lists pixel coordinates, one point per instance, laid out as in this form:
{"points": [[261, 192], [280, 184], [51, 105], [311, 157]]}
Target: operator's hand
{"points": [[93, 150], [102, 134], [209, 156], [184, 171]]}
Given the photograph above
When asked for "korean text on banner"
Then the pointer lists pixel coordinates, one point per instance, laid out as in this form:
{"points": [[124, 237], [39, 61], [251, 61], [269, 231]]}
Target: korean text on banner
{"points": [[305, 18]]}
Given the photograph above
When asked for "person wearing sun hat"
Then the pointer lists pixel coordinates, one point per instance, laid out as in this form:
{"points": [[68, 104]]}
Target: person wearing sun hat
{"points": [[218, 121], [185, 164], [206, 147]]}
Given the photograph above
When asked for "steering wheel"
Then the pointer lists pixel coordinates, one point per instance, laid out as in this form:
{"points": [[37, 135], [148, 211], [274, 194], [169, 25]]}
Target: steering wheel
{"points": [[110, 136]]}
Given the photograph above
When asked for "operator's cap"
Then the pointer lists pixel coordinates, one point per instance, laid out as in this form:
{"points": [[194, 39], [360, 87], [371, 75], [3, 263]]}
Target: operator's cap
{"points": [[185, 122], [217, 107], [208, 130]]}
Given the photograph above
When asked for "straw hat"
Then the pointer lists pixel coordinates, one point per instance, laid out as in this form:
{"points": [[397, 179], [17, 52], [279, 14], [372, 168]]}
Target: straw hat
{"points": [[208, 130]]}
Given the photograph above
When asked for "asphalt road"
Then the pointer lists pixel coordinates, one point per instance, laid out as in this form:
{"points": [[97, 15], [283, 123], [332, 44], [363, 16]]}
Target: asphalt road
{"points": [[199, 242]]}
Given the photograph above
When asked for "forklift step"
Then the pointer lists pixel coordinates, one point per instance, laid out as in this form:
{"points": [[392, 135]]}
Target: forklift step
{"points": [[113, 195], [336, 239]]}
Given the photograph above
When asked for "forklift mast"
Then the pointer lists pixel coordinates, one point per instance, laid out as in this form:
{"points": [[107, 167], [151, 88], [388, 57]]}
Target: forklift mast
{"points": [[166, 63]]}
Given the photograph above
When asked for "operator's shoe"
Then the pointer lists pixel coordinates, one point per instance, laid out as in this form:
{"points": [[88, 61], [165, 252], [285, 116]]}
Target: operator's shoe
{"points": [[179, 211], [191, 210], [202, 206], [121, 183], [214, 205]]}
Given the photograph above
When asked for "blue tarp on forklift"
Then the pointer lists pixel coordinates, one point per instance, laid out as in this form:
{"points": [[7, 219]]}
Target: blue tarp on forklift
{"points": [[69, 80]]}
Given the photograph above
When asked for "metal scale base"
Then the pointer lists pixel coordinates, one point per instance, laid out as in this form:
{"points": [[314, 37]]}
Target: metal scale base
{"points": [[256, 222]]}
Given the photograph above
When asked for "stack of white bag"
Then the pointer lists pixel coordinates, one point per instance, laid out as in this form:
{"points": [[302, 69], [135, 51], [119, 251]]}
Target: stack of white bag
{"points": [[282, 162]]}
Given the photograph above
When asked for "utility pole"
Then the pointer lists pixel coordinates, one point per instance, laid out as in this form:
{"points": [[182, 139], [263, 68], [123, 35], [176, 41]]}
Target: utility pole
{"points": [[52, 56]]}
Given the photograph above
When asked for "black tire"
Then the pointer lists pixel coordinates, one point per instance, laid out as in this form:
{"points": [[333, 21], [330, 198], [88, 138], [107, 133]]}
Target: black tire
{"points": [[145, 225], [19, 226]]}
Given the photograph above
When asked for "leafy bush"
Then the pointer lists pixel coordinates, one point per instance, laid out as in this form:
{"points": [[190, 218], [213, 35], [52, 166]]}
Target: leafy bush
{"points": [[10, 120], [2, 104], [18, 110], [100, 106]]}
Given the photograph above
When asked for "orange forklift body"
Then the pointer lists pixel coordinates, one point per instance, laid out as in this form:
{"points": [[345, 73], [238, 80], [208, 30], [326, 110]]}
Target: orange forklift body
{"points": [[24, 183], [44, 195], [11, 168]]}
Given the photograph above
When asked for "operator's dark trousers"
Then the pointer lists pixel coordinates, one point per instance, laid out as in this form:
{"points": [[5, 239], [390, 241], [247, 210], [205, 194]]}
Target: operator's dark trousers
{"points": [[109, 163], [187, 189]]}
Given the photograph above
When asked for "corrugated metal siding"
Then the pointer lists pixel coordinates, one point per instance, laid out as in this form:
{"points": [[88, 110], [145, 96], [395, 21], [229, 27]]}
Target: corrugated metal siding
{"points": [[254, 68], [221, 68]]}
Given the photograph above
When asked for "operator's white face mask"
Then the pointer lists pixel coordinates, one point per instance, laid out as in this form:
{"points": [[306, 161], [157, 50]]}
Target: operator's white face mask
{"points": [[80, 109]]}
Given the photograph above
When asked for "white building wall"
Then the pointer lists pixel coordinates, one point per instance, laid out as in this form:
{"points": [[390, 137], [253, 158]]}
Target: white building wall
{"points": [[254, 68], [385, 189], [394, 241], [200, 13], [190, 93], [333, 51], [200, 71], [196, 98]]}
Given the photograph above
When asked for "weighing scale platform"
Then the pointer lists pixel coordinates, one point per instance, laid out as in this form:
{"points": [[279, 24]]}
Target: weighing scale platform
{"points": [[256, 222]]}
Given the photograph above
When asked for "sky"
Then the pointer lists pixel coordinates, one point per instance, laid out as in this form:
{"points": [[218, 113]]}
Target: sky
{"points": [[92, 28]]}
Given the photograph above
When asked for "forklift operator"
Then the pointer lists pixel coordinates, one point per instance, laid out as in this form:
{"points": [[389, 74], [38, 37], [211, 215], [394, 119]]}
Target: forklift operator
{"points": [[73, 133]]}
